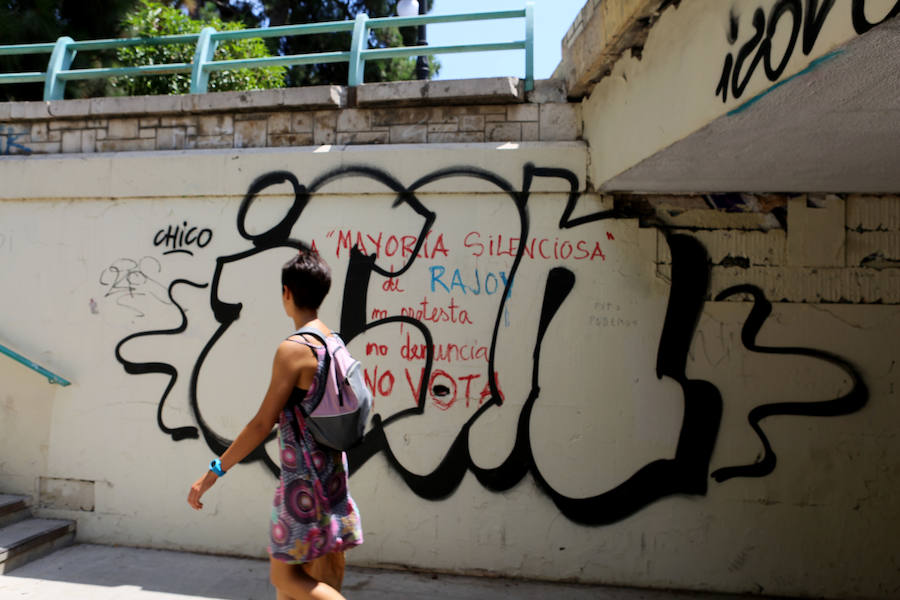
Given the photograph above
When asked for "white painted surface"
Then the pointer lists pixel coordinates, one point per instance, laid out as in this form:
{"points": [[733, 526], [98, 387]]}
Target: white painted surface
{"points": [[83, 273], [645, 105]]}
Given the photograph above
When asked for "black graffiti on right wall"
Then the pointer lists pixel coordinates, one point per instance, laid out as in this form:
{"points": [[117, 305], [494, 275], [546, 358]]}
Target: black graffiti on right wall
{"points": [[738, 69], [849, 403]]}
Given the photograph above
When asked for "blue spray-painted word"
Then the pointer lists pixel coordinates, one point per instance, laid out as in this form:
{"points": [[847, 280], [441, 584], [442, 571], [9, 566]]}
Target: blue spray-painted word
{"points": [[489, 284], [8, 137]]}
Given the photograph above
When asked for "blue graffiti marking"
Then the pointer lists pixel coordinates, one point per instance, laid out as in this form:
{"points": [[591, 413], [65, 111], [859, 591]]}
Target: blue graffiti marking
{"points": [[490, 284], [7, 145]]}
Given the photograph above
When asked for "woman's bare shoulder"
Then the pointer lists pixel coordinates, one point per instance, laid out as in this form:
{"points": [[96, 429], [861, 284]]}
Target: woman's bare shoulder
{"points": [[297, 352]]}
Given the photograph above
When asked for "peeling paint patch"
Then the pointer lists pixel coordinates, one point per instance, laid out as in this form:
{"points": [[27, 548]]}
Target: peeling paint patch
{"points": [[66, 494]]}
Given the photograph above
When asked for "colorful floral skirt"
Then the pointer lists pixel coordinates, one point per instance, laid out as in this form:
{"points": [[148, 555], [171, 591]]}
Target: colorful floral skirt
{"points": [[313, 513]]}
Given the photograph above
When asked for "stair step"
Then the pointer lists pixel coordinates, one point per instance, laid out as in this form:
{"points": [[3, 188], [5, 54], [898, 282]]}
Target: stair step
{"points": [[30, 539], [14, 508]]}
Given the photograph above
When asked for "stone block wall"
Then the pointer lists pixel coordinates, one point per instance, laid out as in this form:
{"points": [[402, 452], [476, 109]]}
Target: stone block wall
{"points": [[481, 111]]}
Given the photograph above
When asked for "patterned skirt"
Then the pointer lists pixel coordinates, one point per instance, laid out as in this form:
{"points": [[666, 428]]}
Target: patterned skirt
{"points": [[313, 513]]}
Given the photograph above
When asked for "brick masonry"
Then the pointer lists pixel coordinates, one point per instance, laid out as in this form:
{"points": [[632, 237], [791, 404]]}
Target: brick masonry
{"points": [[818, 249], [477, 113]]}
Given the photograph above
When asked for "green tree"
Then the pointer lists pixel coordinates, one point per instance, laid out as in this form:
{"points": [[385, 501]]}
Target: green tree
{"points": [[152, 18], [291, 12], [32, 21]]}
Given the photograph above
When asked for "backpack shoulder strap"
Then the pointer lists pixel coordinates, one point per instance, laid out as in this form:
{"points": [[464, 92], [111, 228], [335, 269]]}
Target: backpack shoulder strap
{"points": [[313, 332], [308, 405]]}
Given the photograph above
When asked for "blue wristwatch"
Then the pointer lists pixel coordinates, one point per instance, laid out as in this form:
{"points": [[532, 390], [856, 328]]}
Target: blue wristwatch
{"points": [[215, 465]]}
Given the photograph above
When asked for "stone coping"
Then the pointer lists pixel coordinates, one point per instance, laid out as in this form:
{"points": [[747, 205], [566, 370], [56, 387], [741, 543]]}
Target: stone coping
{"points": [[492, 90], [600, 34]]}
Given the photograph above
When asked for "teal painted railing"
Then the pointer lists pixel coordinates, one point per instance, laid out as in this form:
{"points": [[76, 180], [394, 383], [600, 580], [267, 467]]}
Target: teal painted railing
{"points": [[51, 376], [62, 52]]}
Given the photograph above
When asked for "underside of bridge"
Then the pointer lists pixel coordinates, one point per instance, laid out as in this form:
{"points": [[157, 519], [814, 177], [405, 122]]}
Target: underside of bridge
{"points": [[809, 101], [832, 128]]}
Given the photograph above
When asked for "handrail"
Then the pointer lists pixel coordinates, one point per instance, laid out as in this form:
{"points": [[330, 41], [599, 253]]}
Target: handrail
{"points": [[51, 376], [63, 51]]}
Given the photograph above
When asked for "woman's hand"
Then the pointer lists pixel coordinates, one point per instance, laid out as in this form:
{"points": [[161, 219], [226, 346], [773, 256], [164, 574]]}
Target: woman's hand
{"points": [[199, 488]]}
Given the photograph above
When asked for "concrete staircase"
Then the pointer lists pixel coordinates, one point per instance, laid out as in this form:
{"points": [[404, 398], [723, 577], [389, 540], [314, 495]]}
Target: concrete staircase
{"points": [[24, 538]]}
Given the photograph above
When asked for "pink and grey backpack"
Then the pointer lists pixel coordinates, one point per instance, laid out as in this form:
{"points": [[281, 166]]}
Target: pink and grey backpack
{"points": [[338, 413]]}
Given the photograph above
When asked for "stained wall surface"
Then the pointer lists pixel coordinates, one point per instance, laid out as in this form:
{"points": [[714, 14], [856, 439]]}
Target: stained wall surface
{"points": [[571, 422]]}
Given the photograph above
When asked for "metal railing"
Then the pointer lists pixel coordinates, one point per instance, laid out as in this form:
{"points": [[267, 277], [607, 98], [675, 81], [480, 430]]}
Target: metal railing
{"points": [[51, 376], [62, 52]]}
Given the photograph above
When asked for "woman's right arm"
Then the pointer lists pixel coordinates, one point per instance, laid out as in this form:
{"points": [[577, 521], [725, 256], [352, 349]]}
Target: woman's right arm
{"points": [[291, 360]]}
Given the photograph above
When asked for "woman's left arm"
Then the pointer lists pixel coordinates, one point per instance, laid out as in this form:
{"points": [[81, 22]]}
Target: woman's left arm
{"points": [[290, 360]]}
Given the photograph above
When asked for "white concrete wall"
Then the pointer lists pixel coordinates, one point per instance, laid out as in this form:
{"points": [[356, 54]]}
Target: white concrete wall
{"points": [[673, 87], [81, 273]]}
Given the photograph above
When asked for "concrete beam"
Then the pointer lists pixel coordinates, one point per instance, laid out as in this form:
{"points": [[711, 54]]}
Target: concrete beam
{"points": [[831, 129], [703, 61], [489, 90], [309, 98], [600, 34]]}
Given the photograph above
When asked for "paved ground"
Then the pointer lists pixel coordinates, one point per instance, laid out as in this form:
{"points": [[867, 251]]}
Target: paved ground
{"points": [[90, 572]]}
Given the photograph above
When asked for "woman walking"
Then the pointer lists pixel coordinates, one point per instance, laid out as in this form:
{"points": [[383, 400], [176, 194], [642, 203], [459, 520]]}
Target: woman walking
{"points": [[314, 519]]}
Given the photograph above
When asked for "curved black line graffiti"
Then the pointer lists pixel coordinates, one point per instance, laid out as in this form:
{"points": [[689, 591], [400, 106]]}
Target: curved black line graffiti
{"points": [[850, 402], [861, 23], [133, 368], [735, 78], [686, 473]]}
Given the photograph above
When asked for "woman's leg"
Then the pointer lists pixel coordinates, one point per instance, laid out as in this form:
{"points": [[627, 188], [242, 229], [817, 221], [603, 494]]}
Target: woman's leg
{"points": [[293, 583], [328, 569]]}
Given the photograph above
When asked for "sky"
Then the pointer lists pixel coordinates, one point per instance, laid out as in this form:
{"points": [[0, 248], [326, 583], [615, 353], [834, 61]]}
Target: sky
{"points": [[552, 19]]}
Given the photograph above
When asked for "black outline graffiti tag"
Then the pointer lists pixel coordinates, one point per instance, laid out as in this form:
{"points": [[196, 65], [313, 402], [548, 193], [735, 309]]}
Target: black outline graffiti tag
{"points": [[685, 473]]}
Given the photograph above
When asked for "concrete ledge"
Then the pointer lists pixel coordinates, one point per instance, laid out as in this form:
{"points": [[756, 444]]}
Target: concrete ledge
{"points": [[547, 90], [489, 90], [313, 97], [600, 34], [492, 90], [305, 98]]}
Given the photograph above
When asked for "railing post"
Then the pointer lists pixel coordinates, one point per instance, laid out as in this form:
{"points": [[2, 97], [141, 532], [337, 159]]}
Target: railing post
{"points": [[60, 60], [203, 54], [529, 46], [357, 45]]}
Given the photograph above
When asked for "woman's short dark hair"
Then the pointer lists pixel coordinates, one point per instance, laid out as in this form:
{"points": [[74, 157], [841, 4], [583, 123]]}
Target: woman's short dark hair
{"points": [[308, 277]]}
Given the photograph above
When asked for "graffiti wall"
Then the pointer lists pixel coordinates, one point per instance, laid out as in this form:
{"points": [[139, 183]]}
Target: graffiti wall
{"points": [[547, 402]]}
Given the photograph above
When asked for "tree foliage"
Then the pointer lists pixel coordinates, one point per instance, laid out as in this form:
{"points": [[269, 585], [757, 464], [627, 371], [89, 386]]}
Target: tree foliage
{"points": [[152, 18], [292, 12], [31, 21]]}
